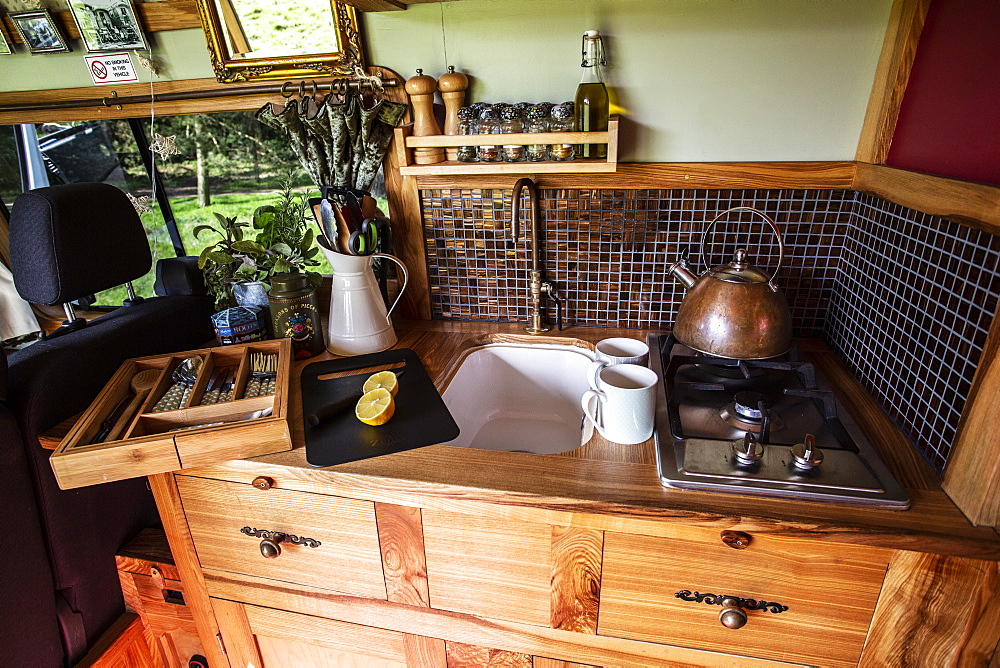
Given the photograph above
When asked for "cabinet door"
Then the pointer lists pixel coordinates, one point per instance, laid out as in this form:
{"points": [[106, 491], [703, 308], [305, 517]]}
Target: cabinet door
{"points": [[830, 593], [331, 542], [257, 636]]}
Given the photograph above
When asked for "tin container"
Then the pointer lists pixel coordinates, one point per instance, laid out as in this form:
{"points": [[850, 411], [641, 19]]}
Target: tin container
{"points": [[295, 314]]}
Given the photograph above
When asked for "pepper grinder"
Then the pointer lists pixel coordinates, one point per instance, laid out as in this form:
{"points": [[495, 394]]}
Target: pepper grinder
{"points": [[452, 86], [421, 90]]}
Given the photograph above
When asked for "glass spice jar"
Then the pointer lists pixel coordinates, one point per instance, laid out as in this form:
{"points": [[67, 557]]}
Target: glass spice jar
{"points": [[510, 123], [467, 126], [537, 123], [489, 125], [562, 121]]}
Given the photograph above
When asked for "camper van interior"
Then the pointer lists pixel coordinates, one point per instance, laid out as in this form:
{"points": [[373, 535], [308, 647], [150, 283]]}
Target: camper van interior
{"points": [[694, 364]]}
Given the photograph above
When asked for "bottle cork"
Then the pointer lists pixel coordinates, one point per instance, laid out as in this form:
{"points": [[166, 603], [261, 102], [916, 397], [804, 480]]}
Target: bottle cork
{"points": [[452, 86], [421, 89]]}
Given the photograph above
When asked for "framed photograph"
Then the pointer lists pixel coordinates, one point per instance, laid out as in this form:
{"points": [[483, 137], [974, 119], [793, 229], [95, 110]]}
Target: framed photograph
{"points": [[4, 44], [39, 31], [108, 25]]}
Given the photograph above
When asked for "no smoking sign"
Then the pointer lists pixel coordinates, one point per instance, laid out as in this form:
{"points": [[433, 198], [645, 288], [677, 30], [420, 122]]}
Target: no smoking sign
{"points": [[108, 68]]}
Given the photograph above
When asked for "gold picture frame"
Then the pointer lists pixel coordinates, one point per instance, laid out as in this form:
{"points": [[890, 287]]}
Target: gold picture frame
{"points": [[230, 67]]}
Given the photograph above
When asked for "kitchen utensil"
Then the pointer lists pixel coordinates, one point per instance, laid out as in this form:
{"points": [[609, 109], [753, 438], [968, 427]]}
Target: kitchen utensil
{"points": [[141, 384], [359, 322], [734, 310], [420, 418], [109, 422], [263, 368], [627, 396], [619, 350], [211, 394], [366, 239], [183, 378], [228, 385]]}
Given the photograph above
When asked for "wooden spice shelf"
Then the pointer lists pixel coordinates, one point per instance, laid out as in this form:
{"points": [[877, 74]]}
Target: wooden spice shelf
{"points": [[406, 142]]}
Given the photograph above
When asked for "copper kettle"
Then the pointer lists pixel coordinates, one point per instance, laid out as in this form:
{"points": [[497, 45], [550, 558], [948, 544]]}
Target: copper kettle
{"points": [[733, 310]]}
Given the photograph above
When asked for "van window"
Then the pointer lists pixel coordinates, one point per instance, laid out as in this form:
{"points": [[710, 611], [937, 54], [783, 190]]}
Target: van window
{"points": [[228, 163]]}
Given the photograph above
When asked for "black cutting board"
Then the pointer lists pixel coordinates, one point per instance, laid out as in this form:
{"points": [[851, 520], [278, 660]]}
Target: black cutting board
{"points": [[421, 418]]}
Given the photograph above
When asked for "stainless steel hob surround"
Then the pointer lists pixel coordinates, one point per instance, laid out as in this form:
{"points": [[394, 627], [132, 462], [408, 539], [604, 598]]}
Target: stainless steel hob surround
{"points": [[766, 427]]}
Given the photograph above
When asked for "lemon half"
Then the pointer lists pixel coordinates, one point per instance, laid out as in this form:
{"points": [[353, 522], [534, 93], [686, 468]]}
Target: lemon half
{"points": [[384, 379], [375, 407]]}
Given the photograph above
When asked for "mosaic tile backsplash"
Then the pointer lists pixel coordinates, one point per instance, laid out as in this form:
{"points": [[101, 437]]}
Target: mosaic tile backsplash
{"points": [[906, 299]]}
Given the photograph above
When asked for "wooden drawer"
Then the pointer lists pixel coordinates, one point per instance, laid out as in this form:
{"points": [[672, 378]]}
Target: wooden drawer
{"points": [[830, 593], [338, 550], [190, 436], [488, 567]]}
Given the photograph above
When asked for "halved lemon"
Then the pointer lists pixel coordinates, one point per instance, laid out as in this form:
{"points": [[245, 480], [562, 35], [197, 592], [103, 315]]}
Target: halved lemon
{"points": [[375, 407], [384, 379]]}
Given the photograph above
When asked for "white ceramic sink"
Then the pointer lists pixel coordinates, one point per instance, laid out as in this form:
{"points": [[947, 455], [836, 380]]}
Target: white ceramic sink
{"points": [[519, 397]]}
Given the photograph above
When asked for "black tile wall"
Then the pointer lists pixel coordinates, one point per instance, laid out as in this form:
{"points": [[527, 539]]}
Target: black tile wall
{"points": [[906, 299], [608, 251], [914, 301]]}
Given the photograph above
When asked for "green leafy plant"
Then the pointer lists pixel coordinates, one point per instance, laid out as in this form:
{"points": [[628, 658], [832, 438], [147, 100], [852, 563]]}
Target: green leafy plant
{"points": [[282, 243]]}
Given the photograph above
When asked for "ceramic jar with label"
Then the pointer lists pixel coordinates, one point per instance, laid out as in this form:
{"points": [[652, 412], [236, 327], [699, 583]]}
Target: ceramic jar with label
{"points": [[295, 314]]}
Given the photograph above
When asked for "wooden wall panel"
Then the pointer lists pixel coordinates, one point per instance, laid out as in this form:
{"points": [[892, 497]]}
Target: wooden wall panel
{"points": [[401, 539], [473, 656], [936, 611], [576, 578], [906, 20], [493, 568], [830, 595]]}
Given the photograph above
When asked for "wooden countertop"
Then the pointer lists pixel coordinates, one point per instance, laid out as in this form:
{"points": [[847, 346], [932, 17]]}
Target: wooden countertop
{"points": [[613, 487]]}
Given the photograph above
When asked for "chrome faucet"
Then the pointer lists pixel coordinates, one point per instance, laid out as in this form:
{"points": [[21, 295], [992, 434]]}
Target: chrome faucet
{"points": [[537, 287]]}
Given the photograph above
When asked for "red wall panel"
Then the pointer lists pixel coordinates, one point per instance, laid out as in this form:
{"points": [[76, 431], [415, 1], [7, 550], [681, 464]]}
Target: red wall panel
{"points": [[949, 121]]}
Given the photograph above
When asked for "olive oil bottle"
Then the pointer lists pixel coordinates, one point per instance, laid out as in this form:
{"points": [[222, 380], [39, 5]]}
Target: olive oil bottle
{"points": [[592, 96]]}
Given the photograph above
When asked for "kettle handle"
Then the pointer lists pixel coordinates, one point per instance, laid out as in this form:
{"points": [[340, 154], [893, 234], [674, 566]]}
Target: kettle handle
{"points": [[774, 228], [402, 266]]}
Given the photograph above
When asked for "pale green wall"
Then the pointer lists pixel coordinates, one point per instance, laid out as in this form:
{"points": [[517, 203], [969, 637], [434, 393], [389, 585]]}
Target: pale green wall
{"points": [[698, 80]]}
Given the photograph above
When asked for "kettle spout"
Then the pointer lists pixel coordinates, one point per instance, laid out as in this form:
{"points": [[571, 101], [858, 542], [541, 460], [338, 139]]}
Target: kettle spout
{"points": [[680, 271]]}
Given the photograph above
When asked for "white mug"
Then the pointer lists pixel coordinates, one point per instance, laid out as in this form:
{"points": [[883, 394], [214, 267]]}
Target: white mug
{"points": [[611, 352], [626, 394]]}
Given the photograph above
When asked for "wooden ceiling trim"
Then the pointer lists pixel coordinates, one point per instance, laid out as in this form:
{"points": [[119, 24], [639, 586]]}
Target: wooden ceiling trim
{"points": [[153, 17]]}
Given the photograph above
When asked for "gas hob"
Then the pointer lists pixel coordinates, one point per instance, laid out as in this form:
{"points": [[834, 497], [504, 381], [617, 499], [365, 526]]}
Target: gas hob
{"points": [[769, 427]]}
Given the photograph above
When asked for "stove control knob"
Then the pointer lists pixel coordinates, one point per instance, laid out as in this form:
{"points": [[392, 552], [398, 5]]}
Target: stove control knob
{"points": [[806, 455], [732, 615], [748, 449]]}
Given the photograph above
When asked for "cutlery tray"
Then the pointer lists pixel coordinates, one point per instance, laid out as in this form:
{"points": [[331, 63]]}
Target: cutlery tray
{"points": [[157, 441]]}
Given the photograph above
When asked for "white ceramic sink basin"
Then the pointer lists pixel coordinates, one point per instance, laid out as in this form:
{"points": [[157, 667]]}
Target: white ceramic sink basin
{"points": [[519, 397]]}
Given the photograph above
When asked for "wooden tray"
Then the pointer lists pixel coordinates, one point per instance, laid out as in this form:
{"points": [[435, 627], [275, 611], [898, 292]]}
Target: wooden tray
{"points": [[149, 443]]}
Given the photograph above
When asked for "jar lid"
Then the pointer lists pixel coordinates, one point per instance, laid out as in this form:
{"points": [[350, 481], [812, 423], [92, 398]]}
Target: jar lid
{"points": [[289, 282]]}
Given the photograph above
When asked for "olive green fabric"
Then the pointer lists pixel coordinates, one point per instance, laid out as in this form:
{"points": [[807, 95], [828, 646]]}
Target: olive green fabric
{"points": [[339, 142]]}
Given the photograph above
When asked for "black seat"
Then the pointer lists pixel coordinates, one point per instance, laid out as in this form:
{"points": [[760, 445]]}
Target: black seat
{"points": [[68, 242]]}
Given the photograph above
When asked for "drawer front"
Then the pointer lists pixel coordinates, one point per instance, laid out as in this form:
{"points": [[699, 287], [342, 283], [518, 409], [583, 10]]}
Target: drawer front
{"points": [[347, 558], [493, 568], [830, 592]]}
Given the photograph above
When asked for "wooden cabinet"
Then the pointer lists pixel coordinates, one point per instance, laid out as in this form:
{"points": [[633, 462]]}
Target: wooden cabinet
{"points": [[327, 541], [821, 597], [455, 585]]}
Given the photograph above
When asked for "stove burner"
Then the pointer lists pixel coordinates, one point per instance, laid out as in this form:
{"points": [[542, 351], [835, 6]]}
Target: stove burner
{"points": [[747, 405]]}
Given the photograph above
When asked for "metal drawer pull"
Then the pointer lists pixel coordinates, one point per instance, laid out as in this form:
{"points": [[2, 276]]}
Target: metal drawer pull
{"points": [[270, 547], [733, 615]]}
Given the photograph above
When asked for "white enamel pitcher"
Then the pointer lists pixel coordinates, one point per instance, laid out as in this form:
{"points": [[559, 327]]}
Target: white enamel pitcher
{"points": [[359, 322]]}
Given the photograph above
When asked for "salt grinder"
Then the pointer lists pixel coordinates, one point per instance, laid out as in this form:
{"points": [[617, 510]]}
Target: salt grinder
{"points": [[452, 86], [421, 89]]}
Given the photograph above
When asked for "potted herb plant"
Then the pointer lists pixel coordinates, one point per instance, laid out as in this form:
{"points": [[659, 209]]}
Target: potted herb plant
{"points": [[276, 241]]}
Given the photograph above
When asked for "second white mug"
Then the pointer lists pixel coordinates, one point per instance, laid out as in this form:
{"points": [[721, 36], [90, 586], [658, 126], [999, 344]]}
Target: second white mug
{"points": [[626, 394]]}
